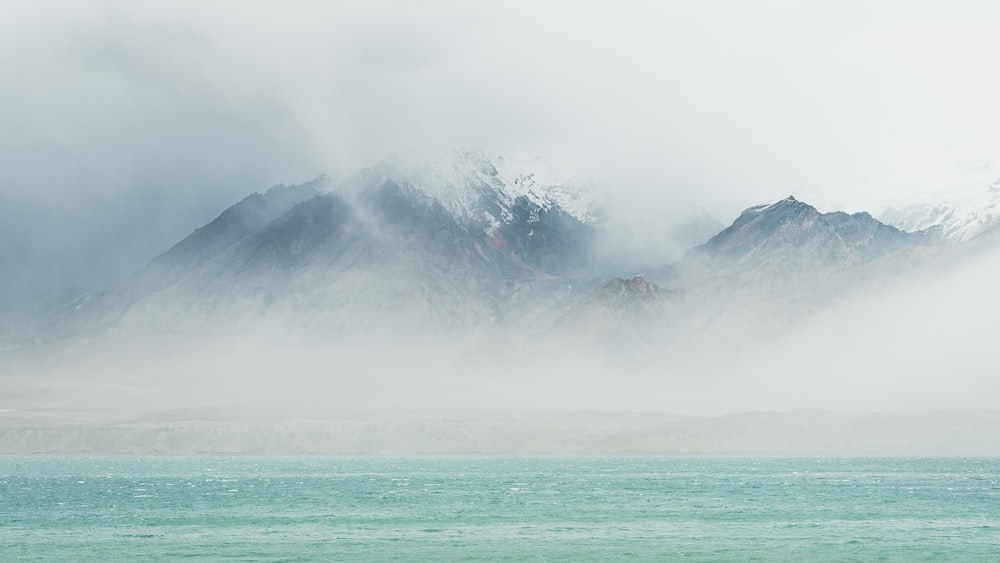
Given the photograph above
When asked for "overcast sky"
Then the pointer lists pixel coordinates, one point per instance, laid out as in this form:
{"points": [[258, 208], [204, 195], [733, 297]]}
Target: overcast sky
{"points": [[125, 125]]}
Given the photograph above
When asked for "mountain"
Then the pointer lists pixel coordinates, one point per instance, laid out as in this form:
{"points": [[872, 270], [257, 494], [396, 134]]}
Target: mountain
{"points": [[205, 243], [776, 263], [453, 247], [781, 262], [784, 241], [391, 248], [955, 222], [232, 225], [513, 217]]}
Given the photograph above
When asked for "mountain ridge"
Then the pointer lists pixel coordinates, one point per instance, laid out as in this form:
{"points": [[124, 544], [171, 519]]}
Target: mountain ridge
{"points": [[378, 251]]}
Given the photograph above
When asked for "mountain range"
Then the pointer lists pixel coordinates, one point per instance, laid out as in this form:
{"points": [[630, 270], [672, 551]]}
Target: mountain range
{"points": [[457, 246], [471, 281]]}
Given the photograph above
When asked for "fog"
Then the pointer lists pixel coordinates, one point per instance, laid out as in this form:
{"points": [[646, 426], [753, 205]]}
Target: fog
{"points": [[920, 342], [124, 126], [918, 351]]}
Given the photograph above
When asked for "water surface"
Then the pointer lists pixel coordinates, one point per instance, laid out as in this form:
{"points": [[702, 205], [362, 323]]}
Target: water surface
{"points": [[497, 508]]}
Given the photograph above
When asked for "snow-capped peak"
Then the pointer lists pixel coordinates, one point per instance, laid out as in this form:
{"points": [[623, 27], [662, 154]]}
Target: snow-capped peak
{"points": [[471, 185], [956, 221], [790, 200], [457, 180], [576, 195]]}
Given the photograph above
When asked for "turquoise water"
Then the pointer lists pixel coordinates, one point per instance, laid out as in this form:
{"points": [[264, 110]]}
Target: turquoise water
{"points": [[485, 508]]}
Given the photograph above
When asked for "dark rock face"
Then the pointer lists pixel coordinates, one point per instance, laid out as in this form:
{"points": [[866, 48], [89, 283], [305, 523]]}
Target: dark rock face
{"points": [[238, 221], [549, 240]]}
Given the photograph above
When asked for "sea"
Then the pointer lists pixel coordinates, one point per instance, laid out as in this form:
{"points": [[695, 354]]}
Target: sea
{"points": [[339, 508]]}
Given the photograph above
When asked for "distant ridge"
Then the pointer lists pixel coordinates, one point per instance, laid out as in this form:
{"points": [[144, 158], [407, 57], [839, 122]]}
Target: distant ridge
{"points": [[798, 433]]}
